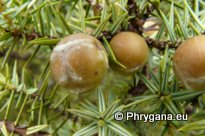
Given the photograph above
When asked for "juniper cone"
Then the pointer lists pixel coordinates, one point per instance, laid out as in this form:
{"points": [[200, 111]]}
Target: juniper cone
{"points": [[79, 62], [189, 62], [130, 50]]}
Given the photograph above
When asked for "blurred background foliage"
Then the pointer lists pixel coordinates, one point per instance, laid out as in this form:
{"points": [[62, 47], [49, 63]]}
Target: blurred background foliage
{"points": [[31, 103]]}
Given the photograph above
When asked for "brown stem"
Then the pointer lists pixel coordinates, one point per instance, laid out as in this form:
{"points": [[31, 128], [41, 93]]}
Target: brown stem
{"points": [[29, 36], [15, 55], [20, 131], [161, 44]]}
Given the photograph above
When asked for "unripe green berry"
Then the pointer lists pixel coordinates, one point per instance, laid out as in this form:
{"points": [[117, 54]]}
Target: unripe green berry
{"points": [[131, 50], [79, 62], [189, 63]]}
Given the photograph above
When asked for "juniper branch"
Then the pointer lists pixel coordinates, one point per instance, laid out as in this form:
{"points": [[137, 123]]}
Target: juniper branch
{"points": [[20, 130]]}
